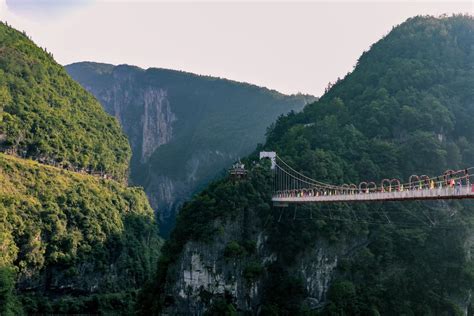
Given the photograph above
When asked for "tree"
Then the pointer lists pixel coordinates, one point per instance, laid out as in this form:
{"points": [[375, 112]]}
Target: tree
{"points": [[9, 304]]}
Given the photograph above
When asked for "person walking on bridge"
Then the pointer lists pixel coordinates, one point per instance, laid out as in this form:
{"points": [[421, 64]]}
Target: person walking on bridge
{"points": [[466, 174]]}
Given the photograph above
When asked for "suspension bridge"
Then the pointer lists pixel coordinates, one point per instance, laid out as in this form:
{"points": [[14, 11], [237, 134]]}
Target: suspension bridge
{"points": [[291, 186]]}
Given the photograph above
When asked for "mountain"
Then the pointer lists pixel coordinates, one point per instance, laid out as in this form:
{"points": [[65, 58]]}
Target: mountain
{"points": [[184, 129], [73, 237], [406, 108], [47, 116]]}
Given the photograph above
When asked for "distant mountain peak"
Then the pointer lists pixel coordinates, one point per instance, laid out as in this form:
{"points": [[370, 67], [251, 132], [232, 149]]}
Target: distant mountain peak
{"points": [[184, 128]]}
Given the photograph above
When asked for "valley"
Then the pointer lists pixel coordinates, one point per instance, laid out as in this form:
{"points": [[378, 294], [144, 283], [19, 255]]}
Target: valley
{"points": [[116, 197]]}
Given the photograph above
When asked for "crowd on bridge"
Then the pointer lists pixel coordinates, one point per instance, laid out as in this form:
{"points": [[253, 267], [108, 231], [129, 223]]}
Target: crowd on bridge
{"points": [[453, 180]]}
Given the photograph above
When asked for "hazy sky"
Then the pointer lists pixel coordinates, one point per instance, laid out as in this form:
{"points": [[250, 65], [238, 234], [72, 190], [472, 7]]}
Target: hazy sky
{"points": [[288, 46]]}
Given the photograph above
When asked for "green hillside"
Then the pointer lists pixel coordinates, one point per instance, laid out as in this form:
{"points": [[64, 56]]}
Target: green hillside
{"points": [[70, 242], [407, 108], [72, 235], [44, 114], [184, 129]]}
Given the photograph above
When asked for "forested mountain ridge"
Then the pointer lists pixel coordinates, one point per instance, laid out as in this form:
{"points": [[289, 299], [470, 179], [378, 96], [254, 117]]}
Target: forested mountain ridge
{"points": [[70, 242], [405, 109], [47, 116], [183, 128]]}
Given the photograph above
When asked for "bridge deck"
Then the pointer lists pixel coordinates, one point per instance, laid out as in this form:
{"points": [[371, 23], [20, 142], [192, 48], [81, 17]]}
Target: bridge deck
{"points": [[446, 193]]}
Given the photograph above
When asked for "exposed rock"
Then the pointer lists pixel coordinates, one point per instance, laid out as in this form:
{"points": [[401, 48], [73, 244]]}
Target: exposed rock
{"points": [[203, 273], [184, 129], [157, 121]]}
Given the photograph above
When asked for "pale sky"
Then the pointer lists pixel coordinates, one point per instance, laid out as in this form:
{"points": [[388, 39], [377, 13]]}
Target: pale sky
{"points": [[288, 46]]}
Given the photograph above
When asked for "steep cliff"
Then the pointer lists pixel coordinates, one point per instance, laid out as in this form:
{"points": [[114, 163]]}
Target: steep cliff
{"points": [[405, 109], [183, 128]]}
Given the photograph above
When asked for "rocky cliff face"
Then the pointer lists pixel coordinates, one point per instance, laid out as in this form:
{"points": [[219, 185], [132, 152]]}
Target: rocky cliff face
{"points": [[148, 123], [154, 127], [157, 121], [203, 275], [183, 129]]}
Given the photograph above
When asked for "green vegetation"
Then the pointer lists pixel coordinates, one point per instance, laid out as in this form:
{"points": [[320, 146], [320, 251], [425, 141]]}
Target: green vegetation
{"points": [[236, 250], [70, 234], [253, 271], [221, 306], [216, 122], [9, 304], [233, 250], [342, 299], [47, 116], [405, 109], [121, 303], [69, 242], [222, 200]]}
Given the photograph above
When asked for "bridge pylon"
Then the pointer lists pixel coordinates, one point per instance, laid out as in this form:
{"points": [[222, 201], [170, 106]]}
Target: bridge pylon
{"points": [[271, 155]]}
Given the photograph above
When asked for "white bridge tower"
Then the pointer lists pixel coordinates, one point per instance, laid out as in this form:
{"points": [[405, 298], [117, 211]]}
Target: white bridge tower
{"points": [[271, 155]]}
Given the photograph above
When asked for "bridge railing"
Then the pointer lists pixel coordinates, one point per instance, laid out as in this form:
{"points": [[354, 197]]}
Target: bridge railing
{"points": [[290, 184], [433, 191]]}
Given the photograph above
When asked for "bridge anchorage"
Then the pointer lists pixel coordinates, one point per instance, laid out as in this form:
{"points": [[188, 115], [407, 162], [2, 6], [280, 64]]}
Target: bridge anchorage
{"points": [[291, 186]]}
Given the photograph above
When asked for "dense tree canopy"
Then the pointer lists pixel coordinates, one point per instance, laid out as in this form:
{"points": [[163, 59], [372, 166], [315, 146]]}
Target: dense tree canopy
{"points": [[63, 232], [44, 114]]}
